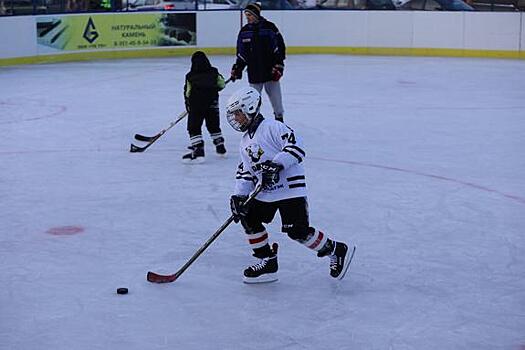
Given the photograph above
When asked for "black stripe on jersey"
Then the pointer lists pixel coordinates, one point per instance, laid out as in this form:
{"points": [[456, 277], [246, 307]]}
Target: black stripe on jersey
{"points": [[297, 185], [295, 178], [243, 173], [297, 149], [293, 154]]}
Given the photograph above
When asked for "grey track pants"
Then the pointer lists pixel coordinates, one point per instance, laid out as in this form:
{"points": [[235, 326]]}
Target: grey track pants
{"points": [[273, 89]]}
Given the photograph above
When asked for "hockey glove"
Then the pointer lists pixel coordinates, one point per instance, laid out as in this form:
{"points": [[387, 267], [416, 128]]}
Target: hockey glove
{"points": [[277, 72], [236, 73], [270, 173], [239, 210]]}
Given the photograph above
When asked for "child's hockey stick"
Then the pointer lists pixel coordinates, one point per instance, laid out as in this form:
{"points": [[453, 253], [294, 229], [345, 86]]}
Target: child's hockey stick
{"points": [[151, 139], [158, 278]]}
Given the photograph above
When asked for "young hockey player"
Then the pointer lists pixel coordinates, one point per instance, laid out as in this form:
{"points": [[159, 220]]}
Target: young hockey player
{"points": [[201, 95], [272, 154]]}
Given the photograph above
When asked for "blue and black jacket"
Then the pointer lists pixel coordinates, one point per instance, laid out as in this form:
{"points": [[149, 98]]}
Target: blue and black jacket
{"points": [[260, 46]]}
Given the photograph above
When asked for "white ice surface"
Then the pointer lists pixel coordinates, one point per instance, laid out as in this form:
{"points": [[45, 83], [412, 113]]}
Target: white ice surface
{"points": [[418, 161]]}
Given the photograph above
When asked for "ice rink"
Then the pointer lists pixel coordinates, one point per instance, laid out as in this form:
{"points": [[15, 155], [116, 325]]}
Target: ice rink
{"points": [[419, 162]]}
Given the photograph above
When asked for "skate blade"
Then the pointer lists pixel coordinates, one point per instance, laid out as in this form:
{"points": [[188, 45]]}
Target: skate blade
{"points": [[198, 160], [348, 259], [266, 278]]}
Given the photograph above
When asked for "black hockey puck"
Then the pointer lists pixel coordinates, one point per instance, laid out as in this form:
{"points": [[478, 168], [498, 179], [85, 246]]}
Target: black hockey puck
{"points": [[122, 291]]}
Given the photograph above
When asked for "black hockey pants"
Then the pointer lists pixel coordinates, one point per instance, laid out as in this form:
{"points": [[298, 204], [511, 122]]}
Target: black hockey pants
{"points": [[198, 115], [293, 212]]}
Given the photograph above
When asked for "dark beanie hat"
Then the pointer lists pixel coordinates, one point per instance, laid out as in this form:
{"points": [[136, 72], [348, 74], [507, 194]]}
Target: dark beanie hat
{"points": [[254, 9], [199, 62]]}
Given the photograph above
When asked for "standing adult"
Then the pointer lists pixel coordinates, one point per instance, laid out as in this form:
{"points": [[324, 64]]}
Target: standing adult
{"points": [[261, 48]]}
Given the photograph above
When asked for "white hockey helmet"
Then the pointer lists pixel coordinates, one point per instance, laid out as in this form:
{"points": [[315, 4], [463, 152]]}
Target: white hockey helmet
{"points": [[243, 106]]}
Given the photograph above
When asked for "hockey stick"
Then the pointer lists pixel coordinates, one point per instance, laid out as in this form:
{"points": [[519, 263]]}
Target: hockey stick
{"points": [[157, 278], [144, 138], [152, 139]]}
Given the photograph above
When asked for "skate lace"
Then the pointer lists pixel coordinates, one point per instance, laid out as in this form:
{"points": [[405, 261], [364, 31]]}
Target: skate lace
{"points": [[333, 262], [260, 265]]}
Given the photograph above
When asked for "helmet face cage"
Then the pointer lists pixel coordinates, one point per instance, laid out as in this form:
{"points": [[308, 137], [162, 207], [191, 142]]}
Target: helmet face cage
{"points": [[247, 102], [239, 125]]}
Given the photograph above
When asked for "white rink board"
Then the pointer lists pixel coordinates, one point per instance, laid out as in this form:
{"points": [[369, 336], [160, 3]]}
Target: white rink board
{"points": [[323, 28], [438, 30], [389, 29], [491, 31], [522, 35], [339, 29], [217, 28], [17, 37]]}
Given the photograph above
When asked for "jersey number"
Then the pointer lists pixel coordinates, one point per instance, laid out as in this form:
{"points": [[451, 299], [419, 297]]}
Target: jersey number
{"points": [[290, 137]]}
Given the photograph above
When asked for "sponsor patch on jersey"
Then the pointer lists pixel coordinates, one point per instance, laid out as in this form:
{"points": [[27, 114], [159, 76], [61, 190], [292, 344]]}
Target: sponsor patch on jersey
{"points": [[273, 188]]}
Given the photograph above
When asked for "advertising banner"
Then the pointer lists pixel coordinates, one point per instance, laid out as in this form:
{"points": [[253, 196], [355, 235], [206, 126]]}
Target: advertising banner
{"points": [[115, 31]]}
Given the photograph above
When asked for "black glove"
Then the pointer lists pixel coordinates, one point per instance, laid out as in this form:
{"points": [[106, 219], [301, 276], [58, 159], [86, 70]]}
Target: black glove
{"points": [[236, 73], [239, 210], [277, 72], [270, 173]]}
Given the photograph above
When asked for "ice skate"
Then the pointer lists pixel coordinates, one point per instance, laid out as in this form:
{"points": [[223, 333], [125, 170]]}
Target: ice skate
{"points": [[219, 147], [196, 156], [340, 260], [264, 271]]}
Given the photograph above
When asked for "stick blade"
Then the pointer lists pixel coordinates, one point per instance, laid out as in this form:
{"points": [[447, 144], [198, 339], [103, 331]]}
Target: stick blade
{"points": [[157, 278], [144, 138], [135, 149]]}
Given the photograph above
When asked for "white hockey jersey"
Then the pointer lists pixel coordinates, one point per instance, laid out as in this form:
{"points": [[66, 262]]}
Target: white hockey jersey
{"points": [[274, 141]]}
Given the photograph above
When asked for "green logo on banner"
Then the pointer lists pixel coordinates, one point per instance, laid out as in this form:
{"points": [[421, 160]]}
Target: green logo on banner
{"points": [[90, 33]]}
